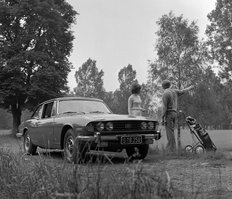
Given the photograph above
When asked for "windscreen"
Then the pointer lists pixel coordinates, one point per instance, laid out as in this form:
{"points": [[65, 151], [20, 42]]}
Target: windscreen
{"points": [[82, 106]]}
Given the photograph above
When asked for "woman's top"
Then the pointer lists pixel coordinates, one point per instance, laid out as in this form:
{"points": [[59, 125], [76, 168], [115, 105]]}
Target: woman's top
{"points": [[134, 105]]}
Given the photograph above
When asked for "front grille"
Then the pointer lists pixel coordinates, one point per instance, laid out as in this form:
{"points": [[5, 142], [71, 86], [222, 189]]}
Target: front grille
{"points": [[128, 126], [121, 127]]}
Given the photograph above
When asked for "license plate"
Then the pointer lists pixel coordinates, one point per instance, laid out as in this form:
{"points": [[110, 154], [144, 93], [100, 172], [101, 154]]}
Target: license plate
{"points": [[131, 140]]}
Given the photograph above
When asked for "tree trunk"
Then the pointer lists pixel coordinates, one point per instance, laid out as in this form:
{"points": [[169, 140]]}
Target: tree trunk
{"points": [[16, 113], [179, 145], [178, 116]]}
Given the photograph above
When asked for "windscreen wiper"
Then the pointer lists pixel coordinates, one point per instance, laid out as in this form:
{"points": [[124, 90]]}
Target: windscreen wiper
{"points": [[96, 112], [67, 112]]}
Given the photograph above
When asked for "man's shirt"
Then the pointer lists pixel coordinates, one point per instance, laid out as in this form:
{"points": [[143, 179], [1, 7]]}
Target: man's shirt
{"points": [[170, 99]]}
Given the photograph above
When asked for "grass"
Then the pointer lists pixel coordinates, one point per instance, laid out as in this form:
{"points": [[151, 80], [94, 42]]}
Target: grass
{"points": [[41, 179], [158, 176]]}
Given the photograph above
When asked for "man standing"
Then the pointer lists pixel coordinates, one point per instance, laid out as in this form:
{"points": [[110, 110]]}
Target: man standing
{"points": [[169, 114]]}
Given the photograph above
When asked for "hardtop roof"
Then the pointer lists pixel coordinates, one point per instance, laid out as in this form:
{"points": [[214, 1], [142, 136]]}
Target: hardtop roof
{"points": [[72, 98]]}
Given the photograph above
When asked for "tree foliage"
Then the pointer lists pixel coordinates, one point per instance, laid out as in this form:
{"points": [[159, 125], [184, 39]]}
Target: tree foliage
{"points": [[204, 104], [219, 34], [179, 52], [126, 77], [89, 80], [36, 41], [110, 101]]}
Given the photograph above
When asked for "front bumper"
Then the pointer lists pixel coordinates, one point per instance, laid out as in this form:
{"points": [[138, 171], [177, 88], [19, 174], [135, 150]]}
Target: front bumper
{"points": [[107, 140]]}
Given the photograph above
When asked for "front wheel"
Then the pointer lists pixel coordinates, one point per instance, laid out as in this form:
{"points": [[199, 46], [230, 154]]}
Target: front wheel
{"points": [[138, 152], [28, 146], [188, 149], [74, 152]]}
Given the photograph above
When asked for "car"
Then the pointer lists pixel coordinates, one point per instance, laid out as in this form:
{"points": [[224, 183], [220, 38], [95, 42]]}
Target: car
{"points": [[77, 125]]}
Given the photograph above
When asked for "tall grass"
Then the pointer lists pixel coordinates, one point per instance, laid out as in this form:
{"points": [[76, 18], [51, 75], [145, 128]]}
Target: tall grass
{"points": [[26, 177], [22, 178]]}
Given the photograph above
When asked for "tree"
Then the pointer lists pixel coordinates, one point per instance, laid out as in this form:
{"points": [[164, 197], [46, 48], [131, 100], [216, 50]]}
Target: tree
{"points": [[205, 103], [219, 34], [110, 101], [180, 54], [89, 80], [36, 41], [126, 77]]}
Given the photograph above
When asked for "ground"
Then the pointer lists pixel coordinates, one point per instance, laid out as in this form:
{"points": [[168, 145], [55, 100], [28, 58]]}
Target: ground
{"points": [[209, 174]]}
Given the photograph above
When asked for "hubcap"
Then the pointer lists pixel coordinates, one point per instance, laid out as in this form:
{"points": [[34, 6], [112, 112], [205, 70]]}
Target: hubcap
{"points": [[69, 146], [27, 142]]}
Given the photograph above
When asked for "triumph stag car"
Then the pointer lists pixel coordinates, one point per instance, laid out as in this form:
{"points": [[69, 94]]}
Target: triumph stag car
{"points": [[78, 125]]}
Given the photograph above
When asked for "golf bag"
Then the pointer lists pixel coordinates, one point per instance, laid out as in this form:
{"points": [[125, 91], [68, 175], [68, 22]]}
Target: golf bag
{"points": [[204, 140]]}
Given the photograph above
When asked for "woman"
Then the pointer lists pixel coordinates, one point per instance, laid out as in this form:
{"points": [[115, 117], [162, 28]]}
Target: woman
{"points": [[134, 101]]}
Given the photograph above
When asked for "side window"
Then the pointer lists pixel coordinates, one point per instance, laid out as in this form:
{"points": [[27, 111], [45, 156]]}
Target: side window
{"points": [[38, 112], [47, 110], [54, 109]]}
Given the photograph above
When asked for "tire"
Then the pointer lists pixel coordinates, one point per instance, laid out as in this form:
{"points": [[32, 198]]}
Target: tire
{"points": [[188, 149], [199, 149], [28, 146], [139, 152], [74, 150]]}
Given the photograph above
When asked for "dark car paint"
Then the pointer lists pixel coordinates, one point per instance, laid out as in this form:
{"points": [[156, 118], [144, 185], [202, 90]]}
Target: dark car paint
{"points": [[49, 132]]}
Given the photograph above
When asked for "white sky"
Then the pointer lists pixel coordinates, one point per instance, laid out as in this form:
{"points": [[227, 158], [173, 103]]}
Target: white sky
{"points": [[116, 33]]}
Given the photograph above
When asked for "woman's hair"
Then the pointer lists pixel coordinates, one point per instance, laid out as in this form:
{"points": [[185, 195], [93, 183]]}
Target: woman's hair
{"points": [[166, 84], [135, 88]]}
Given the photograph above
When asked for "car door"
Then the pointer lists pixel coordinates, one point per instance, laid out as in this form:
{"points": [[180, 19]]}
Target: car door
{"points": [[33, 124], [45, 126]]}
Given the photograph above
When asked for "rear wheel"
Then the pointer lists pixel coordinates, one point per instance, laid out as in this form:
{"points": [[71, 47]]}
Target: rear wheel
{"points": [[74, 150], [139, 152], [199, 149], [28, 146]]}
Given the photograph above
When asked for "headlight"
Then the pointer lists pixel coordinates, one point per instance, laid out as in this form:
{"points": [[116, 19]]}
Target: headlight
{"points": [[151, 125], [143, 125], [90, 127], [109, 126], [100, 126]]}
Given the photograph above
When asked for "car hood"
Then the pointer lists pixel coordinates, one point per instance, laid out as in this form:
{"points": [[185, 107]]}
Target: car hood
{"points": [[112, 117]]}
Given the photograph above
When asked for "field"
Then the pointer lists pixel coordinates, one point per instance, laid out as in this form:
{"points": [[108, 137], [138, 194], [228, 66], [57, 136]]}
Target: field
{"points": [[46, 175], [221, 138]]}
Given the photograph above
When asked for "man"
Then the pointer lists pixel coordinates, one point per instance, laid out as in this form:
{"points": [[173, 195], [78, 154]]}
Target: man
{"points": [[169, 114]]}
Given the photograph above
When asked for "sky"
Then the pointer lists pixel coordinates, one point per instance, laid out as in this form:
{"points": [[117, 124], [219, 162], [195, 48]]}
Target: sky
{"points": [[116, 33]]}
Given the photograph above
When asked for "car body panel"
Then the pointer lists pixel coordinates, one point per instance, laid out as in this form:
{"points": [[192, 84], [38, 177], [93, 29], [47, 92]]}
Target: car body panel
{"points": [[48, 131]]}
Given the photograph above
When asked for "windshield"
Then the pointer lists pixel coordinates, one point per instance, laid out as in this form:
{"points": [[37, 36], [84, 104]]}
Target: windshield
{"points": [[82, 106]]}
